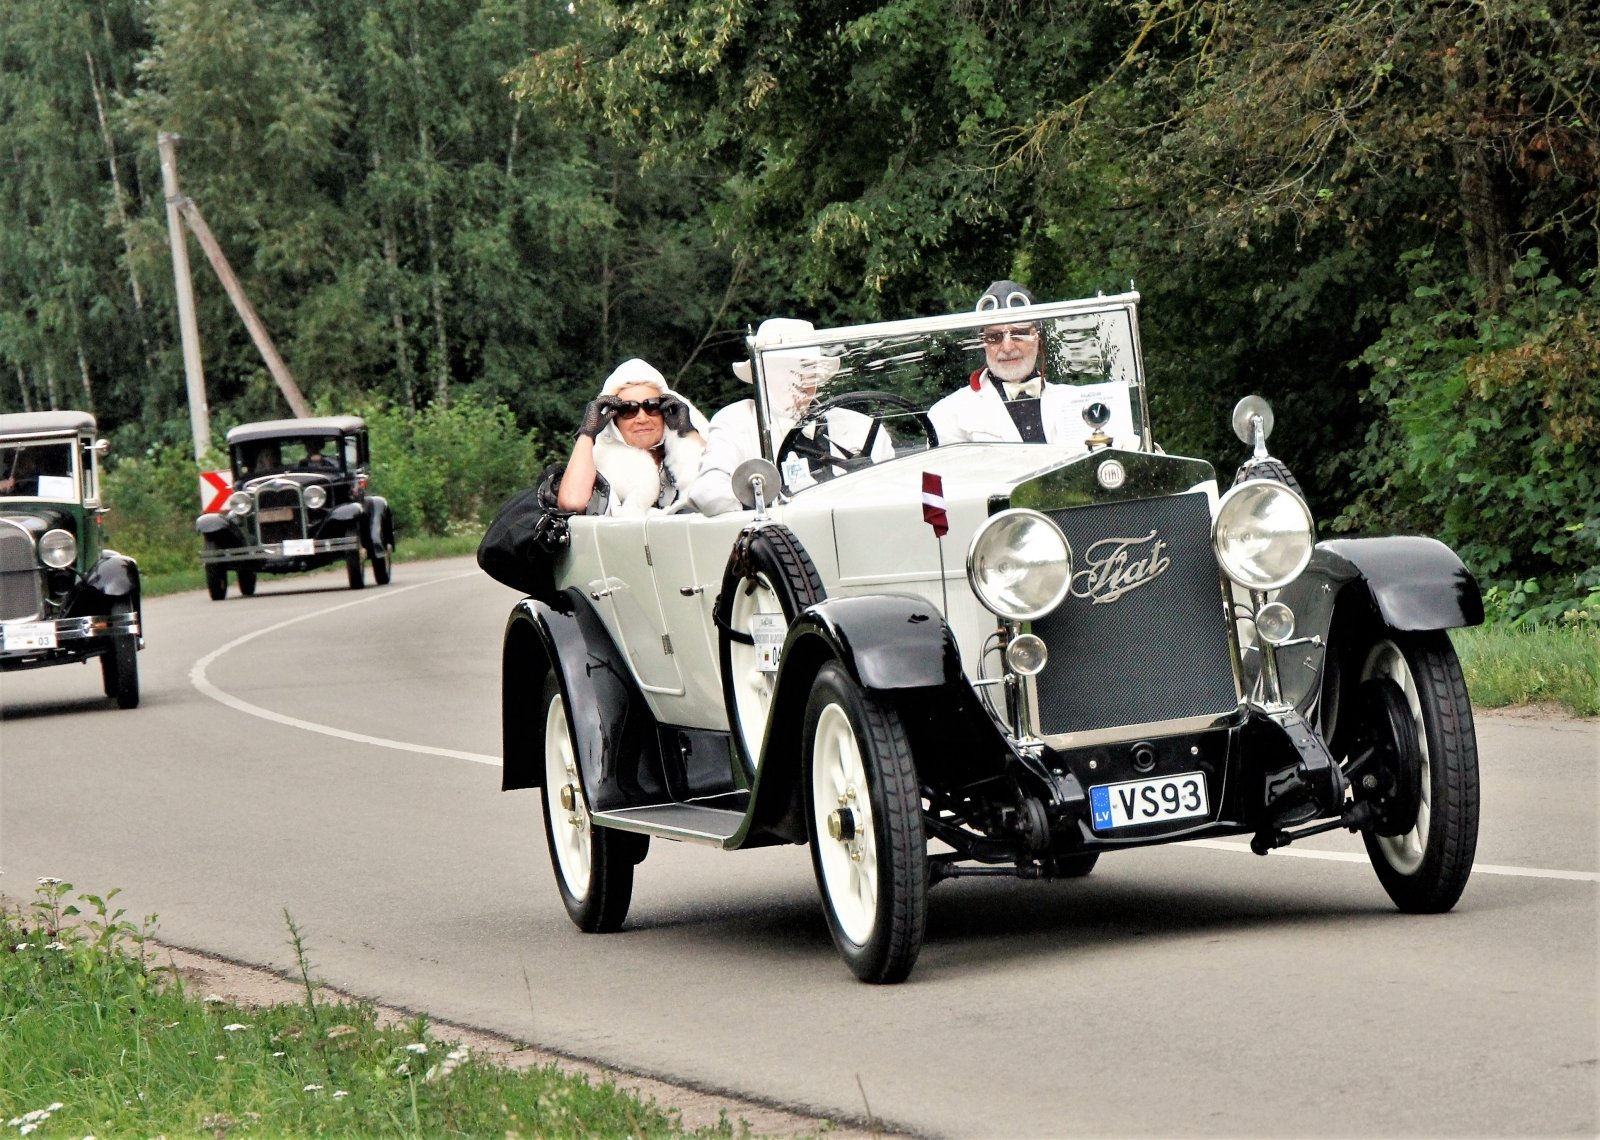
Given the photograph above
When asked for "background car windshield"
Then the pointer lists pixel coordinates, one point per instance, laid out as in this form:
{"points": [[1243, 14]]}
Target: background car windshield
{"points": [[1094, 353], [39, 470], [295, 453]]}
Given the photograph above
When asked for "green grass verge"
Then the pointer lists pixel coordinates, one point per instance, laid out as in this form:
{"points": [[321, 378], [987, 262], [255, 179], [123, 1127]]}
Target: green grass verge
{"points": [[96, 1040], [1542, 665]]}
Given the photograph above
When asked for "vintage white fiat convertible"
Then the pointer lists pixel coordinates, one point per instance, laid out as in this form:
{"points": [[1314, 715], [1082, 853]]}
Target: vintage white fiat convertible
{"points": [[929, 659]]}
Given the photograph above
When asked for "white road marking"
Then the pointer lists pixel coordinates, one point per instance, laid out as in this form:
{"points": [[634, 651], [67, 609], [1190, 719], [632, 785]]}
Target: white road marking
{"points": [[1361, 857], [197, 677]]}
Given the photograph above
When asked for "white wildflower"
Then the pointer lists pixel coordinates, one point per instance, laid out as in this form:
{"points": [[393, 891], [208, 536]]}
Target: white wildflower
{"points": [[56, 946], [234, 1027], [26, 1128], [21, 946], [340, 1094], [312, 1088], [416, 1047], [280, 1053], [49, 881]]}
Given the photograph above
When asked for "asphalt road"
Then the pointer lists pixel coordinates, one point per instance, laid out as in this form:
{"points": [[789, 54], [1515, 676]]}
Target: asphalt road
{"points": [[333, 756]]}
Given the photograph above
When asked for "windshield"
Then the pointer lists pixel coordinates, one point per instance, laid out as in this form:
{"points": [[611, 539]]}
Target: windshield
{"points": [[1067, 373], [256, 458], [42, 470]]}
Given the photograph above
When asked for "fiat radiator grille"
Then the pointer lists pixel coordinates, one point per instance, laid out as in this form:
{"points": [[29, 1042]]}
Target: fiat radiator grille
{"points": [[1142, 637], [21, 581]]}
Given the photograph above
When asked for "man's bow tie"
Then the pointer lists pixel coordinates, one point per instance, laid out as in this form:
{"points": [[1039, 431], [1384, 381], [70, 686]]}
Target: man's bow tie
{"points": [[1029, 388]]}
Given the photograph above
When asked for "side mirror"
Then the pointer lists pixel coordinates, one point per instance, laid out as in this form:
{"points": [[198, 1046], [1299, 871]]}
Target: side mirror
{"points": [[1252, 422], [102, 447], [755, 483]]}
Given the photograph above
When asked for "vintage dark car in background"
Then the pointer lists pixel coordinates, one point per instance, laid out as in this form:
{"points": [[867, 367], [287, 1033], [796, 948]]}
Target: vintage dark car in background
{"points": [[940, 659], [64, 596], [301, 500]]}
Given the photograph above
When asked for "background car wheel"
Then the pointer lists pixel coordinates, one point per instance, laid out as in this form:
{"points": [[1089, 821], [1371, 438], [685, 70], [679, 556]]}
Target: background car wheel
{"points": [[867, 844], [352, 565], [593, 865], [769, 572], [1424, 867], [247, 582], [382, 564], [1076, 866], [119, 669]]}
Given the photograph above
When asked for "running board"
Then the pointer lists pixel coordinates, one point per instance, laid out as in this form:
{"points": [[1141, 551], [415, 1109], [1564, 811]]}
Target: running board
{"points": [[712, 826]]}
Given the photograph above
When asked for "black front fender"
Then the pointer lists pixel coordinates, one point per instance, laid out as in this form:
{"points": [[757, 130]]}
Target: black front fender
{"points": [[114, 576], [886, 641], [1412, 583]]}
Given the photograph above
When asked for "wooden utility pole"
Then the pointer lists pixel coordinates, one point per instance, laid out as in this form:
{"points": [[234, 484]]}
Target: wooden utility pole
{"points": [[247, 311], [180, 211], [189, 330]]}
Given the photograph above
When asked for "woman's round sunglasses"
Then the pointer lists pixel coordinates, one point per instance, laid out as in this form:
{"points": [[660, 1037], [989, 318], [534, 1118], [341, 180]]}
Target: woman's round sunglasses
{"points": [[627, 409]]}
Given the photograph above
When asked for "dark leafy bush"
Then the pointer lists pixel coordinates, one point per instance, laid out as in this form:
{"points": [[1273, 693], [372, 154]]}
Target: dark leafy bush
{"points": [[1491, 438]]}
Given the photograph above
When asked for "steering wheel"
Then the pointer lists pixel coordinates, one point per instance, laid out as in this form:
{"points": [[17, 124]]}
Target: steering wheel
{"points": [[824, 455]]}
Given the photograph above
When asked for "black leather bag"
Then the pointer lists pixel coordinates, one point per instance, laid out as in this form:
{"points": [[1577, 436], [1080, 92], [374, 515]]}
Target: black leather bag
{"points": [[528, 533]]}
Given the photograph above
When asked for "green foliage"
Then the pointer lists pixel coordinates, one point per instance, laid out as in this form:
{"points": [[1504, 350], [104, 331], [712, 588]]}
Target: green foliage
{"points": [[445, 469], [98, 1041], [1491, 435]]}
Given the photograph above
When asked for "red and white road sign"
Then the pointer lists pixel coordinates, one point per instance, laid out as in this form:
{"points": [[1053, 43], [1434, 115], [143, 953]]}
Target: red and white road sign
{"points": [[215, 487]]}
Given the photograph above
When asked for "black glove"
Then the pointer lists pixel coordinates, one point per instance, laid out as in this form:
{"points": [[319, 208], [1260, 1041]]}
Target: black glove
{"points": [[597, 415], [675, 414]]}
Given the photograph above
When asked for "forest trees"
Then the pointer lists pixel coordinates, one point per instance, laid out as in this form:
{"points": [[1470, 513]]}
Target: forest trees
{"points": [[1382, 214]]}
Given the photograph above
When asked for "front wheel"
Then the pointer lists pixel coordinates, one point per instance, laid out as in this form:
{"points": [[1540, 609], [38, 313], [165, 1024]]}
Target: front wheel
{"points": [[352, 565], [1416, 709], [593, 865], [119, 672], [868, 849], [216, 582], [247, 582], [382, 568]]}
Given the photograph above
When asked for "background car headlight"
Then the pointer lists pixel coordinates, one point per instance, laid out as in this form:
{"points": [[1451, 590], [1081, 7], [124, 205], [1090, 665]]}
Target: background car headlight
{"points": [[1018, 564], [239, 504], [1263, 534], [58, 549], [315, 497]]}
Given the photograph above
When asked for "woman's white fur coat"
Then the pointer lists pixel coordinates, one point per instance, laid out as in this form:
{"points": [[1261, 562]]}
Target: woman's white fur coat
{"points": [[632, 472]]}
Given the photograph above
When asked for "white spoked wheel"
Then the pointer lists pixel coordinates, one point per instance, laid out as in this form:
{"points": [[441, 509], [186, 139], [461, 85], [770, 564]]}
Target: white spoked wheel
{"points": [[1421, 694], [769, 576], [868, 847], [567, 812], [751, 685], [842, 821], [593, 866]]}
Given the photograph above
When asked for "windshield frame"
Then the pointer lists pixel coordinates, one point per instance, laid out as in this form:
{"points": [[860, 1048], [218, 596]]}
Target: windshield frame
{"points": [[886, 356]]}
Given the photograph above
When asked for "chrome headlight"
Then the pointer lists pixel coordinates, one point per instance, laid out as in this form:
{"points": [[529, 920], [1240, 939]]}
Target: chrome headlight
{"points": [[239, 504], [1019, 564], [316, 497], [58, 549], [1263, 534]]}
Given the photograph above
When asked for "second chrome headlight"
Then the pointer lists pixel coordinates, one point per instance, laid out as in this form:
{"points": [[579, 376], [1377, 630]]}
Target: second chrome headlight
{"points": [[1019, 564], [1263, 534]]}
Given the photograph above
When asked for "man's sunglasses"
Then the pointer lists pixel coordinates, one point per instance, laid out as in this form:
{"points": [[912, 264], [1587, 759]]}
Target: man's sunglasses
{"points": [[627, 409], [998, 336]]}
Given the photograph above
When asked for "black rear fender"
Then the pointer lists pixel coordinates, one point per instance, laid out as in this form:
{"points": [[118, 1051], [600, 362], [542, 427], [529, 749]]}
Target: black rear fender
{"points": [[615, 735]]}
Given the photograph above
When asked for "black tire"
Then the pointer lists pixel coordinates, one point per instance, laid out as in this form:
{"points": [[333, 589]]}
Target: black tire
{"points": [[216, 582], [352, 565], [593, 865], [768, 573], [1273, 469], [1076, 866], [247, 582], [869, 852], [382, 565], [119, 669], [1425, 866]]}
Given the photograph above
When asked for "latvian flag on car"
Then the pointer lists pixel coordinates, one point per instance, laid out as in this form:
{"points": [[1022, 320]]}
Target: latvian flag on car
{"points": [[933, 504]]}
